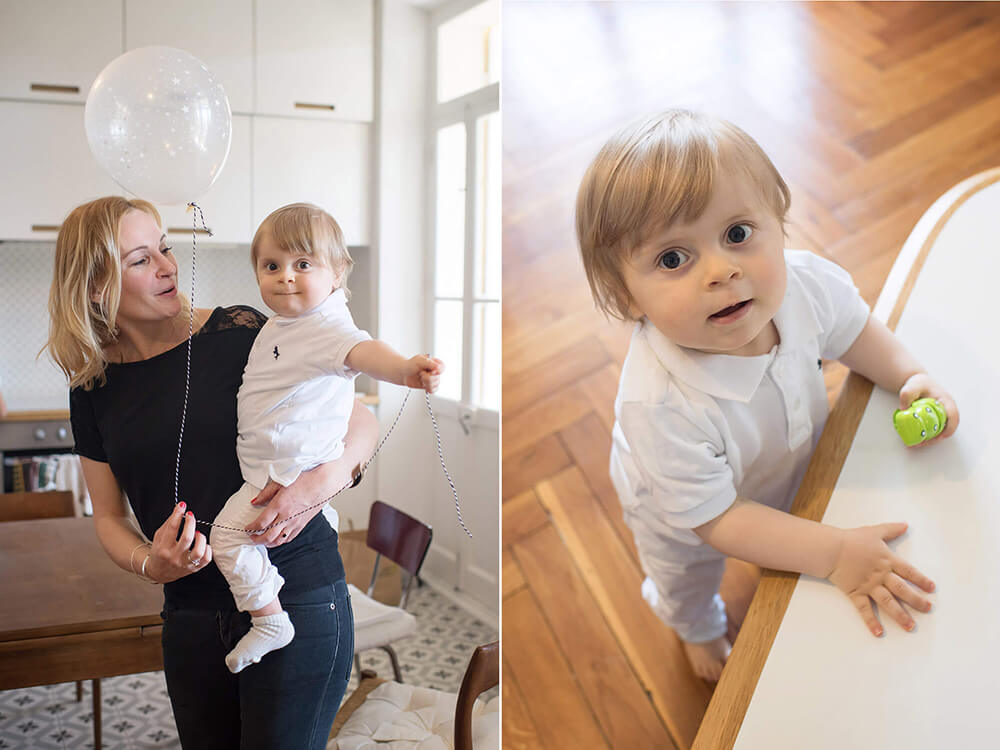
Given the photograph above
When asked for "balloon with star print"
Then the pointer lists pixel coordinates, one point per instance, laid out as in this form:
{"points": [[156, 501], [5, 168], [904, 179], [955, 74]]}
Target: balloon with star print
{"points": [[159, 123]]}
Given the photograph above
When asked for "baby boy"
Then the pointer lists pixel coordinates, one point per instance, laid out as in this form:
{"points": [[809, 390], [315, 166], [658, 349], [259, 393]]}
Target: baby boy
{"points": [[680, 220]]}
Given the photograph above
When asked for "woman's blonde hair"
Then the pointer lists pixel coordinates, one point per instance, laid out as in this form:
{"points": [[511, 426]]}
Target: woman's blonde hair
{"points": [[87, 286], [306, 229], [652, 173]]}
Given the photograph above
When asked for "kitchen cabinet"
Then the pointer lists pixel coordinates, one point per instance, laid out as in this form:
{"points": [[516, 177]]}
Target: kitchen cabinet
{"points": [[315, 58], [227, 204], [52, 50], [219, 33], [48, 168], [326, 163]]}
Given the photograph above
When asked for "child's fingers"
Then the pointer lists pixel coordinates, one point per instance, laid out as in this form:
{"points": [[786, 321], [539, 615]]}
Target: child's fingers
{"points": [[864, 605], [890, 605], [890, 531], [906, 593], [908, 572]]}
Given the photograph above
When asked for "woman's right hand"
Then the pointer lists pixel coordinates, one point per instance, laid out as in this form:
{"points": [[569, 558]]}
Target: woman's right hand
{"points": [[174, 557], [867, 570]]}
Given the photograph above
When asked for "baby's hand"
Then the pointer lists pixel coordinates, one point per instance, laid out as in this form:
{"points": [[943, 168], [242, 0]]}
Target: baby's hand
{"points": [[922, 385], [423, 371], [866, 570]]}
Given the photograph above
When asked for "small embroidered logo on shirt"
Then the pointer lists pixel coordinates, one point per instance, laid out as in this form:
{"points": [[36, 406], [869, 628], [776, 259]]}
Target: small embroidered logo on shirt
{"points": [[275, 352]]}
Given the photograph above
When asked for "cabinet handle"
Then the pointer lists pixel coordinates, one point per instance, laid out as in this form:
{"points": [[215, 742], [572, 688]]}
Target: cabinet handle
{"points": [[187, 230], [307, 105], [45, 227], [55, 89]]}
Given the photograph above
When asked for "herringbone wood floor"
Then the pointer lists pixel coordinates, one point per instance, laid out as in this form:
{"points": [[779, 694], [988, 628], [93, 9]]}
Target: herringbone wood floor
{"points": [[870, 111]]}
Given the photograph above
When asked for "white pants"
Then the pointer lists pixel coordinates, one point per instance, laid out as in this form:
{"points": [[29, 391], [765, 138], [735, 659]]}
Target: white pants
{"points": [[252, 578]]}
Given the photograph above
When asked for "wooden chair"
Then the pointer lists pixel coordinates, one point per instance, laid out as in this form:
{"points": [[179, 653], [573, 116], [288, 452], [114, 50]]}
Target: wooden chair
{"points": [[29, 506], [403, 539], [482, 673]]}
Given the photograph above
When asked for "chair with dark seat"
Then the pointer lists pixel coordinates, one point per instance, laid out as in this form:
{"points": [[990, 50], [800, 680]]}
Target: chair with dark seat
{"points": [[404, 540]]}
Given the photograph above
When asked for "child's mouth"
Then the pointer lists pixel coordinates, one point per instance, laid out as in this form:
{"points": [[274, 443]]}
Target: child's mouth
{"points": [[731, 313]]}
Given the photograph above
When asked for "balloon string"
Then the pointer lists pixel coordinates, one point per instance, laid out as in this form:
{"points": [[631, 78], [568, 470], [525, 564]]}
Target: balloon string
{"points": [[187, 369]]}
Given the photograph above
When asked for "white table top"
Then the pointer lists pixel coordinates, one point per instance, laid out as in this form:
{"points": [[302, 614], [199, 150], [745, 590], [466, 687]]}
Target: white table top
{"points": [[827, 682]]}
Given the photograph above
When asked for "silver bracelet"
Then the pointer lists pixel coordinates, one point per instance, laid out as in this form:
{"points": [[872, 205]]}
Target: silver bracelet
{"points": [[142, 574]]}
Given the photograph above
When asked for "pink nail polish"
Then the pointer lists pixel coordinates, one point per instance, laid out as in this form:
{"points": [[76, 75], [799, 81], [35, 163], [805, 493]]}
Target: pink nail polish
{"points": [[878, 632]]}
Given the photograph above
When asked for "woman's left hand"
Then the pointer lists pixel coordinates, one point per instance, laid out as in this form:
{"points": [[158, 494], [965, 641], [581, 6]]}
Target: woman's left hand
{"points": [[280, 503]]}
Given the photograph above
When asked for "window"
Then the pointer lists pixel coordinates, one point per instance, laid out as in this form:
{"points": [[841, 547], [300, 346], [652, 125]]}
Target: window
{"points": [[466, 247]]}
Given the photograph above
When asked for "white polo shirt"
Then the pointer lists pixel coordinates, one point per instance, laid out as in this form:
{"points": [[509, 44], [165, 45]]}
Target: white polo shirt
{"points": [[694, 430], [297, 393]]}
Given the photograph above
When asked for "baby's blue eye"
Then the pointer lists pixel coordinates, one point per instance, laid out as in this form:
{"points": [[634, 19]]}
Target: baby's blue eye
{"points": [[672, 259], [739, 233]]}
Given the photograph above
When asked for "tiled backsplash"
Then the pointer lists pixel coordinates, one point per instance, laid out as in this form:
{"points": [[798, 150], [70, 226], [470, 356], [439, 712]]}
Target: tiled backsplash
{"points": [[224, 276]]}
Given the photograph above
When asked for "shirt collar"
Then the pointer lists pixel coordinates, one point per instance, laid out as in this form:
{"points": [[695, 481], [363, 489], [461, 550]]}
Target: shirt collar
{"points": [[731, 377], [332, 302]]}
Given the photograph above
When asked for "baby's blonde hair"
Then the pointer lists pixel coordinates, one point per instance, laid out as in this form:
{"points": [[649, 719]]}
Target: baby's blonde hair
{"points": [[88, 267], [650, 174], [306, 229]]}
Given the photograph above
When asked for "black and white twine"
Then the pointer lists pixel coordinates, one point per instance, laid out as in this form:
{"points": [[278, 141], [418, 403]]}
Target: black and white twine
{"points": [[198, 215]]}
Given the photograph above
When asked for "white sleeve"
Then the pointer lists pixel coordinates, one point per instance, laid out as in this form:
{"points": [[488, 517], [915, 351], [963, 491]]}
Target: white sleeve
{"points": [[683, 470], [340, 335], [841, 311]]}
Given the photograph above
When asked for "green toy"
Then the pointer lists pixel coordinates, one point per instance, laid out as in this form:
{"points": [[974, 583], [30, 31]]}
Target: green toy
{"points": [[923, 421]]}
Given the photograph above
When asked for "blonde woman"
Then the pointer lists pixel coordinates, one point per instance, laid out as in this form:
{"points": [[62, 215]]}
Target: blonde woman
{"points": [[118, 330]]}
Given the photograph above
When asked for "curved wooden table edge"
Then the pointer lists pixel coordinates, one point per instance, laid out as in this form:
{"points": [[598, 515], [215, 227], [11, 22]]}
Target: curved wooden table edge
{"points": [[732, 695]]}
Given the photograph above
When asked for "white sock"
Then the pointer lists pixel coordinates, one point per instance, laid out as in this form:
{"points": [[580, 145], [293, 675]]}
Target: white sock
{"points": [[267, 633]]}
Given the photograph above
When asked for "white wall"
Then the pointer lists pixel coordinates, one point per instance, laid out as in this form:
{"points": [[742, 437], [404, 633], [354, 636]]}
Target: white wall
{"points": [[404, 468]]}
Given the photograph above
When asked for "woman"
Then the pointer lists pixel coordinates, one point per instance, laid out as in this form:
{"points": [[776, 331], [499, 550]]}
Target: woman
{"points": [[118, 330]]}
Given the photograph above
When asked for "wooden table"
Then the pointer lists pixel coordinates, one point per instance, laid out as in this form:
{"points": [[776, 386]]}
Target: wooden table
{"points": [[68, 612], [728, 708]]}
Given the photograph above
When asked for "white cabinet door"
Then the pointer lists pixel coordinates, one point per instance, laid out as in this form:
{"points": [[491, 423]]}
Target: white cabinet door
{"points": [[326, 163], [48, 169], [219, 33], [227, 205], [52, 50], [315, 58]]}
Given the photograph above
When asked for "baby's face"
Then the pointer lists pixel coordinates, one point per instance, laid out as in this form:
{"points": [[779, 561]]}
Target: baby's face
{"points": [[714, 284], [292, 284]]}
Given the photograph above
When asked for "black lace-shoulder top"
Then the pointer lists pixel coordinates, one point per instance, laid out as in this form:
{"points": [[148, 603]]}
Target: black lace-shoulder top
{"points": [[132, 423]]}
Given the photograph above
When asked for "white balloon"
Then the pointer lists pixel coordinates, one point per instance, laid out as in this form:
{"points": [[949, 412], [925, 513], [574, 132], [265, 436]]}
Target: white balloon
{"points": [[159, 123]]}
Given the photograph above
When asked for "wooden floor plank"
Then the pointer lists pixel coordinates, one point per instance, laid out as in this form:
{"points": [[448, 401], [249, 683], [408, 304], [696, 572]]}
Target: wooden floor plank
{"points": [[540, 460], [546, 681], [518, 728], [614, 581], [512, 578], [616, 697], [522, 516]]}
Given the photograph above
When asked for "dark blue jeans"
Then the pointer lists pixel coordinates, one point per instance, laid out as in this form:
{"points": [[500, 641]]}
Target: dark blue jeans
{"points": [[288, 700]]}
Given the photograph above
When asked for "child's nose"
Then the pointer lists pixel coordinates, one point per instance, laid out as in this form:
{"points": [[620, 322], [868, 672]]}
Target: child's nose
{"points": [[722, 270]]}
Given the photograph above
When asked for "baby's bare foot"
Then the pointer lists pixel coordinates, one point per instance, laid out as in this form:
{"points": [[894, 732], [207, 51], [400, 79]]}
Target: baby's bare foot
{"points": [[707, 659]]}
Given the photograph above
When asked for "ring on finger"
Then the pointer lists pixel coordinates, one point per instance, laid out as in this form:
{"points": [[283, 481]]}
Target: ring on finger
{"points": [[194, 563]]}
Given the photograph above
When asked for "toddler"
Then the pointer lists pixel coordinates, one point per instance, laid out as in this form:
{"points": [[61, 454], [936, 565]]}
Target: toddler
{"points": [[296, 399], [680, 220]]}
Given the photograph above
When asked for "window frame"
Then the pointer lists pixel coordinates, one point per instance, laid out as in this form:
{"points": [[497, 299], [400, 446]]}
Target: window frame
{"points": [[466, 109]]}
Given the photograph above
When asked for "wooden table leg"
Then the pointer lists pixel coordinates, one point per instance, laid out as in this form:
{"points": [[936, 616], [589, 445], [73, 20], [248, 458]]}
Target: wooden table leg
{"points": [[97, 714]]}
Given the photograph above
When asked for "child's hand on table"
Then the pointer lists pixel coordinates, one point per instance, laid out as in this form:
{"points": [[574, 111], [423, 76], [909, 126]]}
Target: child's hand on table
{"points": [[866, 569], [922, 385], [423, 371]]}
